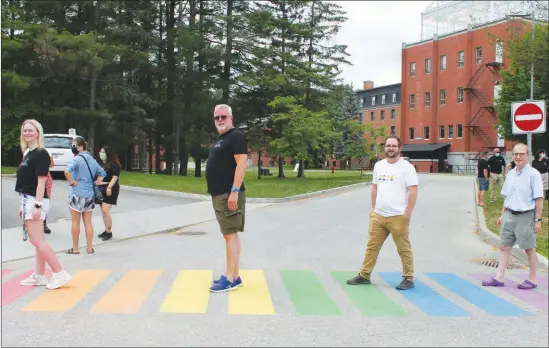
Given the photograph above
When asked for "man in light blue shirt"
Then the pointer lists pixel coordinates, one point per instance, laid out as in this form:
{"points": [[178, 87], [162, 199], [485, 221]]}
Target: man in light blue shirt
{"points": [[520, 219]]}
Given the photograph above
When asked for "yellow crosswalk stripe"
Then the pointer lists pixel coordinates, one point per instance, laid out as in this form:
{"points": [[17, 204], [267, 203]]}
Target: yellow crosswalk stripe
{"points": [[253, 297], [189, 292], [64, 298], [129, 293]]}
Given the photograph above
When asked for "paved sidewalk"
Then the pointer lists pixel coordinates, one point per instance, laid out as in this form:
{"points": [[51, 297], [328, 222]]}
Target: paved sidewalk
{"points": [[125, 225]]}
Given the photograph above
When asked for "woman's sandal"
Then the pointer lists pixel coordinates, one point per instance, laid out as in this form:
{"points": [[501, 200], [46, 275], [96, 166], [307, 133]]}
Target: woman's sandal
{"points": [[71, 251], [91, 252]]}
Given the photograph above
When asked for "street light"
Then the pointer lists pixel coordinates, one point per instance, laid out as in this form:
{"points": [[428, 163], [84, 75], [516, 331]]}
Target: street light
{"points": [[532, 16]]}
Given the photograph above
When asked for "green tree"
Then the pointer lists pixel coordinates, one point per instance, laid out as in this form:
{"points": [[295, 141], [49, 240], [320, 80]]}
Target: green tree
{"points": [[515, 82]]}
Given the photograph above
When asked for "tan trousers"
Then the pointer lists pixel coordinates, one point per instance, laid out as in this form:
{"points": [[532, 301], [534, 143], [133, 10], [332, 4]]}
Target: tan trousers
{"points": [[495, 179], [380, 228]]}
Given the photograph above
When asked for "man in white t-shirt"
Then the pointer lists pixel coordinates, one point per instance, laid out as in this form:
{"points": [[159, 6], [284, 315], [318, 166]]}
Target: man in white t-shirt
{"points": [[394, 194]]}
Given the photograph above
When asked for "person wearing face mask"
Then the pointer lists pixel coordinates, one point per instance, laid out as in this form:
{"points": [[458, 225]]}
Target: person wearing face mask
{"points": [[496, 166], [80, 173], [110, 188], [541, 163]]}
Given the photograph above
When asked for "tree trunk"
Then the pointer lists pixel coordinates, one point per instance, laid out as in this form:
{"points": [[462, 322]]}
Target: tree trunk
{"points": [[189, 90], [228, 53], [281, 167], [282, 71], [198, 167], [171, 165], [259, 165], [91, 131], [150, 150], [184, 160]]}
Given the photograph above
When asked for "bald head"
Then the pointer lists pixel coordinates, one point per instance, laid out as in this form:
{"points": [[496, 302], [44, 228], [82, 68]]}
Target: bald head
{"points": [[520, 155]]}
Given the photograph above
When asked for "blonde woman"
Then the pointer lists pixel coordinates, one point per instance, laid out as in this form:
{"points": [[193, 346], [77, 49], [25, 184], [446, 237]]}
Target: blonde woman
{"points": [[31, 186]]}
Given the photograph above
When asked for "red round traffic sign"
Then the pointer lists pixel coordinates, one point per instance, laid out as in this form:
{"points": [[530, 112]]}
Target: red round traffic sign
{"points": [[528, 117]]}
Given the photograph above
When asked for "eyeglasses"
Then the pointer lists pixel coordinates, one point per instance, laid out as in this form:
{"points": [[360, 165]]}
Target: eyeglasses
{"points": [[395, 146], [220, 117], [519, 154]]}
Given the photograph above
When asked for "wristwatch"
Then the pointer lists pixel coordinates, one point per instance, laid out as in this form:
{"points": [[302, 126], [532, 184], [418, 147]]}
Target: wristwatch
{"points": [[537, 220], [38, 205]]}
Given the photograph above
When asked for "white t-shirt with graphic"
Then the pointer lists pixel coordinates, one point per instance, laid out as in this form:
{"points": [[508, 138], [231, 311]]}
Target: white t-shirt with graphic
{"points": [[392, 182]]}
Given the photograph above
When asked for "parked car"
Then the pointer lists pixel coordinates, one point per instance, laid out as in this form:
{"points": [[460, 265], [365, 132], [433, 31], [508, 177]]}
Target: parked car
{"points": [[59, 146]]}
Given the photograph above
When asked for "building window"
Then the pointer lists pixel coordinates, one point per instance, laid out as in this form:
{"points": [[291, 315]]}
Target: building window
{"points": [[442, 63], [478, 55], [460, 131], [374, 100], [428, 66], [413, 69], [372, 116], [412, 101], [451, 131], [442, 97], [364, 102], [461, 59], [394, 97], [383, 99], [442, 131], [393, 114], [427, 99], [393, 130], [411, 133], [426, 132], [460, 95], [382, 117]]}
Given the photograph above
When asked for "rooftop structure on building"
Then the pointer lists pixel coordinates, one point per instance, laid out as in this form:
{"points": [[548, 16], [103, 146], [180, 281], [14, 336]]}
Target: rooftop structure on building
{"points": [[445, 17]]}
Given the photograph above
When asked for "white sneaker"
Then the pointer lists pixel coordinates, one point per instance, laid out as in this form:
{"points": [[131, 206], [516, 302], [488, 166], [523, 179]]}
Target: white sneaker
{"points": [[58, 280], [35, 280]]}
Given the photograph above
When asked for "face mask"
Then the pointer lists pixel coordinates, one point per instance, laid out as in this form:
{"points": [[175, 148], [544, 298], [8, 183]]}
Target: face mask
{"points": [[74, 150], [542, 155], [103, 156], [497, 154]]}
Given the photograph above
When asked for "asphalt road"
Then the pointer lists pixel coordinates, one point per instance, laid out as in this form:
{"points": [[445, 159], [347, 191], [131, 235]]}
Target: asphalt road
{"points": [[59, 209], [153, 290]]}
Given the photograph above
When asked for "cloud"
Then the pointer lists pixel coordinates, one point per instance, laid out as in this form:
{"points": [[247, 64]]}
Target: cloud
{"points": [[374, 33]]}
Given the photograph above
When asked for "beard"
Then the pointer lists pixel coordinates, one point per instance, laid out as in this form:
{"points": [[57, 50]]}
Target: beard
{"points": [[392, 154], [221, 128]]}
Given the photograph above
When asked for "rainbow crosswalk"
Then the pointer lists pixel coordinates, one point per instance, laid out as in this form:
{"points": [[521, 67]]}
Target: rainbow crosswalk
{"points": [[308, 292]]}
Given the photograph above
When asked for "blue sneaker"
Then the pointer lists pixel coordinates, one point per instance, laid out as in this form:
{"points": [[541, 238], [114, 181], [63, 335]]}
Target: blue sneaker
{"points": [[222, 285], [236, 283]]}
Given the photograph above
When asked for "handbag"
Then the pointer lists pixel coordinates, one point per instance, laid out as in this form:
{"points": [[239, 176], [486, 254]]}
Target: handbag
{"points": [[98, 196]]}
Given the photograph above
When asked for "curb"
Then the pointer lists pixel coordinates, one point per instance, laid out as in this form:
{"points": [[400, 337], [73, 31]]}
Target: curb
{"points": [[8, 175], [248, 199], [493, 239]]}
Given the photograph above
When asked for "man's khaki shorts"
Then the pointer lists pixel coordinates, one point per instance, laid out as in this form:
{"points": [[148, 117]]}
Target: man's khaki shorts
{"points": [[230, 221]]}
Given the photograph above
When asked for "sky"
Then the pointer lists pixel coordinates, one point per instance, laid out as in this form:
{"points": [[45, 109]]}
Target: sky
{"points": [[374, 33]]}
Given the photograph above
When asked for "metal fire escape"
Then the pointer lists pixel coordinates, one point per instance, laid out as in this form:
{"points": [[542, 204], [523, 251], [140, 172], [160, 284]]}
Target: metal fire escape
{"points": [[486, 106]]}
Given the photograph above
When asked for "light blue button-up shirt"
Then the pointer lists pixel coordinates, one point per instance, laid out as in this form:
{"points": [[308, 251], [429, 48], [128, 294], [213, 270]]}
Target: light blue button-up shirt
{"points": [[521, 189], [80, 172]]}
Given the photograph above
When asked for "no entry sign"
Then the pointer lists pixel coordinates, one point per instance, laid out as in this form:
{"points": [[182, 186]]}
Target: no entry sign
{"points": [[528, 117]]}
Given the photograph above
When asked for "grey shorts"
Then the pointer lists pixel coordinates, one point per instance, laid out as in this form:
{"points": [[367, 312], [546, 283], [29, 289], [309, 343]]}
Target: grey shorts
{"points": [[518, 229]]}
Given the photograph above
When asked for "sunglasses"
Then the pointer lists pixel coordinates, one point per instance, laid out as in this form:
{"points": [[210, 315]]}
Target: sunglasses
{"points": [[221, 117]]}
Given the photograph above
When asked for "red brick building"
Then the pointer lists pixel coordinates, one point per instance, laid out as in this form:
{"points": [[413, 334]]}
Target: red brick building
{"points": [[448, 87]]}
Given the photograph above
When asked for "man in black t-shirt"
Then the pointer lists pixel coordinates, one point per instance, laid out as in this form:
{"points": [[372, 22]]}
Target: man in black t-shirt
{"points": [[496, 166], [483, 175], [225, 171]]}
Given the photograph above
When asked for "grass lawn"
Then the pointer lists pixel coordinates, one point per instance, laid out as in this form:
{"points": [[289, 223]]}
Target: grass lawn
{"points": [[493, 211], [267, 187], [8, 170]]}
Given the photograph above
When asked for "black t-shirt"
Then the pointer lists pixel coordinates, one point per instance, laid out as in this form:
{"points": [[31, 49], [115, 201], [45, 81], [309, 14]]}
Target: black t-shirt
{"points": [[542, 166], [482, 164], [113, 169], [35, 163], [221, 164], [496, 164]]}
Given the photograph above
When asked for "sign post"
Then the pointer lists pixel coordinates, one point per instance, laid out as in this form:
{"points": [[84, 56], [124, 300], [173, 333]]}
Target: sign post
{"points": [[72, 132], [529, 117]]}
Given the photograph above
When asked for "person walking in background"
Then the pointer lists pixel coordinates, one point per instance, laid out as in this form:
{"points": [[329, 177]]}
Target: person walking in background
{"points": [[541, 163], [225, 171], [496, 167], [394, 195], [110, 188], [80, 173], [482, 177], [31, 186], [520, 219]]}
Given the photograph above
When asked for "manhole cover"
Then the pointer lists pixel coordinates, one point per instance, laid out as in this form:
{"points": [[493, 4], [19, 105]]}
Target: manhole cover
{"points": [[189, 233], [495, 264]]}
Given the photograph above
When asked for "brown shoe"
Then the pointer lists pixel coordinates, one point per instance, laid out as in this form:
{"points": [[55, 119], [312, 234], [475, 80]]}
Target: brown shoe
{"points": [[358, 280]]}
